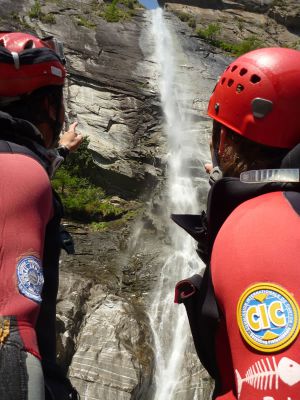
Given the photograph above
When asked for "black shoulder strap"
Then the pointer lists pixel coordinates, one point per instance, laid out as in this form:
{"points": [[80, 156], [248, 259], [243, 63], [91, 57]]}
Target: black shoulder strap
{"points": [[197, 294], [11, 147], [196, 226], [294, 199]]}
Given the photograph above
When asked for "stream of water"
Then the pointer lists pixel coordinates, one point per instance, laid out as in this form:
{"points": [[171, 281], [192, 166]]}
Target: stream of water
{"points": [[169, 322]]}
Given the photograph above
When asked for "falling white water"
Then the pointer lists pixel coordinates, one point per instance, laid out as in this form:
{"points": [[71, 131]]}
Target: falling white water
{"points": [[169, 321]]}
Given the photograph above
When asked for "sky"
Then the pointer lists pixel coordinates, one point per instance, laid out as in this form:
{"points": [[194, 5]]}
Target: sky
{"points": [[150, 4]]}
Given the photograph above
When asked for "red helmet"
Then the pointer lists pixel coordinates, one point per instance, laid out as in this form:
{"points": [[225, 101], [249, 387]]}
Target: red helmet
{"points": [[258, 96], [28, 63]]}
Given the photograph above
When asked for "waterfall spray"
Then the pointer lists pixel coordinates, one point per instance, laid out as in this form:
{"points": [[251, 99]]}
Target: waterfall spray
{"points": [[169, 322]]}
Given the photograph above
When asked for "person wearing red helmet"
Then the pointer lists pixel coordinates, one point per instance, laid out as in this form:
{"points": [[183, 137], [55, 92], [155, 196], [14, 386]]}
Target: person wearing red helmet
{"points": [[244, 313], [32, 76]]}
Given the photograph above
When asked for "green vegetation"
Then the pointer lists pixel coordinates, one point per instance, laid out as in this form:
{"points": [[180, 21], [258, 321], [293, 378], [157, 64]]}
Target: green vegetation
{"points": [[212, 35], [99, 226], [82, 199], [36, 10], [185, 17], [48, 18], [86, 22], [81, 163], [36, 13], [278, 3], [251, 43], [14, 16], [117, 223], [119, 10], [112, 13]]}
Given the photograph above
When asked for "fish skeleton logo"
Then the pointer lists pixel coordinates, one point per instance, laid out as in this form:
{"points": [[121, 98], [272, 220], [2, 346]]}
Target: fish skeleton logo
{"points": [[266, 374], [268, 317]]}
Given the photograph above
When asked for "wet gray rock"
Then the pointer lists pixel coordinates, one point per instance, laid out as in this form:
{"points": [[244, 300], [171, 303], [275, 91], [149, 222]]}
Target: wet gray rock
{"points": [[112, 355], [196, 3], [271, 23], [104, 337], [117, 102], [103, 331]]}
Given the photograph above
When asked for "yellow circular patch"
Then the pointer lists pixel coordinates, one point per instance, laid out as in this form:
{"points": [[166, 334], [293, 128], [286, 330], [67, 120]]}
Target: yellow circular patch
{"points": [[268, 317]]}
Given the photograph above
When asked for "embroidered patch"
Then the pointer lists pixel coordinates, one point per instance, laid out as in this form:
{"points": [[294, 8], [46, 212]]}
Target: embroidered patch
{"points": [[30, 278], [268, 317]]}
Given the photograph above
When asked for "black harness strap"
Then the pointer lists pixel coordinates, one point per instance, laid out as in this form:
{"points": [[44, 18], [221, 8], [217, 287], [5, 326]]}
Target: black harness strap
{"points": [[5, 147], [294, 199], [196, 226], [197, 295], [11, 147]]}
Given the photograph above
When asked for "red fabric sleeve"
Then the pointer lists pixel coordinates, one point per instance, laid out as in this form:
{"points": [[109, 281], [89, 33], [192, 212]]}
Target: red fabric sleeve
{"points": [[26, 207]]}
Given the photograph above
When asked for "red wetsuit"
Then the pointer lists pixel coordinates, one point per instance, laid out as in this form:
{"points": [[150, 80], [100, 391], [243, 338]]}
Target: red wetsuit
{"points": [[256, 275], [26, 207]]}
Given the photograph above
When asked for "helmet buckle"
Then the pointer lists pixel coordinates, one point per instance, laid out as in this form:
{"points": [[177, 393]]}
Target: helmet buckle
{"points": [[15, 56]]}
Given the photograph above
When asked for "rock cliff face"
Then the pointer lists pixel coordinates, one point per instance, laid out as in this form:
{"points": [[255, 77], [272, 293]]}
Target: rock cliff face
{"points": [[270, 22], [103, 331]]}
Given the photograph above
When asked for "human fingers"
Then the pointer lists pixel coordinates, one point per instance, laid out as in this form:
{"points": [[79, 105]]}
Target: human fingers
{"points": [[208, 167], [73, 127]]}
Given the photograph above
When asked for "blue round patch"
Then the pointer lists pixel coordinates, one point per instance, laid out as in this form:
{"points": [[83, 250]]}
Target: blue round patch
{"points": [[30, 278], [268, 317]]}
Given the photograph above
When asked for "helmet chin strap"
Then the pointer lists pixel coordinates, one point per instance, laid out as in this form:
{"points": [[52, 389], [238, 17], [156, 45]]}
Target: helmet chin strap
{"points": [[216, 173], [55, 123], [56, 127]]}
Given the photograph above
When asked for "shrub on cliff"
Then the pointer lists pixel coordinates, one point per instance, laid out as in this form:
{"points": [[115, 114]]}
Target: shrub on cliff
{"points": [[119, 10], [81, 198], [185, 17], [35, 12], [211, 34]]}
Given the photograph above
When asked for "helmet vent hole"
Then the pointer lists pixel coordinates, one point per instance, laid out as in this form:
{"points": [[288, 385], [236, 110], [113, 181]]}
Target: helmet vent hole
{"points": [[255, 78], [223, 81], [233, 68], [230, 82], [239, 88], [28, 45], [243, 71]]}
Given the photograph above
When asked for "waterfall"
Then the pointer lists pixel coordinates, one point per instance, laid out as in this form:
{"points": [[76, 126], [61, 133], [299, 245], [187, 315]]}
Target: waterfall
{"points": [[175, 377]]}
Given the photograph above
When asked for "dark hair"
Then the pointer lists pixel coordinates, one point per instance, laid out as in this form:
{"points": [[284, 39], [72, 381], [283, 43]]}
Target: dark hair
{"points": [[242, 154], [30, 106]]}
